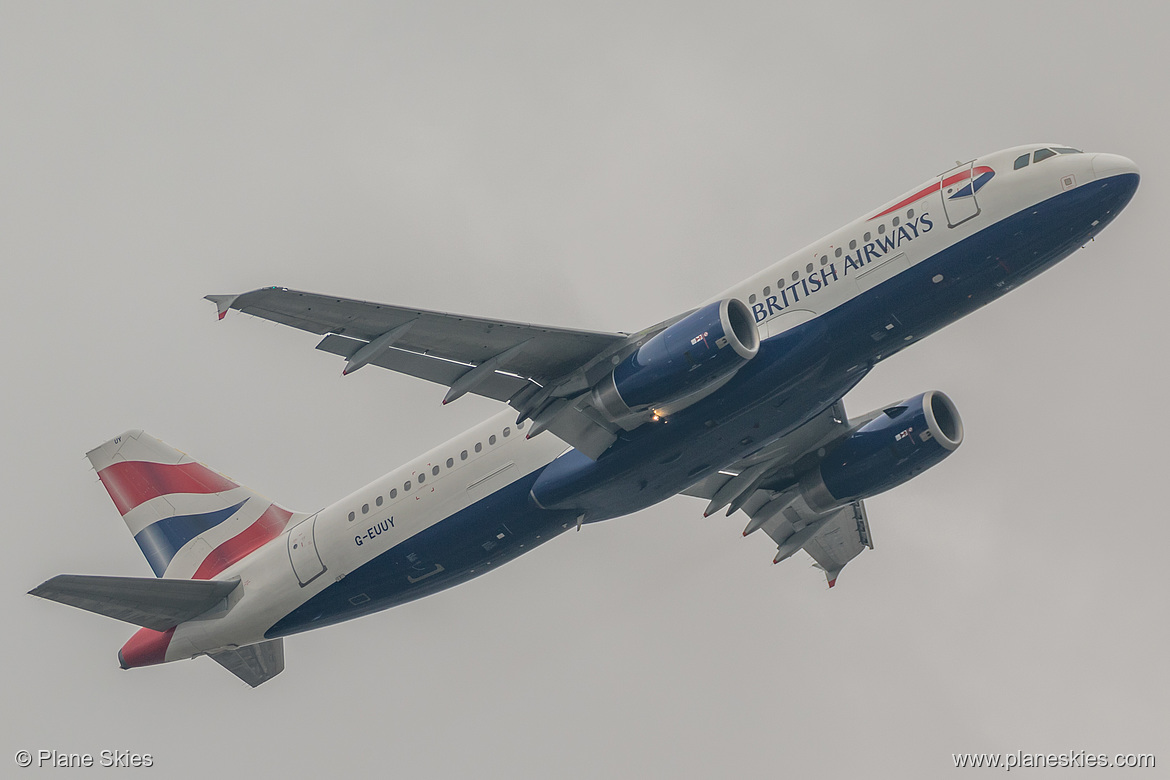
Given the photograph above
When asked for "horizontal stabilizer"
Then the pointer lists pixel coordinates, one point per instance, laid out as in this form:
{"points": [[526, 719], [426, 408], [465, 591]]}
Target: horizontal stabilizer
{"points": [[253, 664], [158, 604]]}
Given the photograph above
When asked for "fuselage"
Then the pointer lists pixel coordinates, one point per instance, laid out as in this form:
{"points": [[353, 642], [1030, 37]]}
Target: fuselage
{"points": [[826, 314]]}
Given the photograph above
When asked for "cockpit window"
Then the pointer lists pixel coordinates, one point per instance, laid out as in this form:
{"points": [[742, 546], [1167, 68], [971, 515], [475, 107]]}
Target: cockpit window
{"points": [[1066, 150], [1042, 154], [1022, 160]]}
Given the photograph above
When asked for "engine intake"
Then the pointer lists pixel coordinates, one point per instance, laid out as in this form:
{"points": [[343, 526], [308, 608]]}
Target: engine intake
{"points": [[899, 444], [686, 361]]}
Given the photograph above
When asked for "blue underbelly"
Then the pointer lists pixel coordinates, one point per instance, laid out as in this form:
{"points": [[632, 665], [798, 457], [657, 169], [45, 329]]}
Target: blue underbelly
{"points": [[470, 542]]}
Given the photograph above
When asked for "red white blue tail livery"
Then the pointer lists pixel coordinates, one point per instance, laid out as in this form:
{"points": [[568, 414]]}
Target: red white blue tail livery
{"points": [[190, 521]]}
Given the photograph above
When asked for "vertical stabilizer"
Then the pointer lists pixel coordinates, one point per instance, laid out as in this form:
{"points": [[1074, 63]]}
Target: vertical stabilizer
{"points": [[190, 521]]}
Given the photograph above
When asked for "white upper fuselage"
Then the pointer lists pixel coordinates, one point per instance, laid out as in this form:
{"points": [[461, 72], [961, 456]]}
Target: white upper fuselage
{"points": [[356, 529], [1011, 191]]}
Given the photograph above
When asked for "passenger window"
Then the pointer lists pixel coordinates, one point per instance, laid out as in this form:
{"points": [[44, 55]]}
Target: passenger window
{"points": [[365, 509], [479, 446], [492, 439], [881, 229], [463, 455], [378, 501], [910, 214], [393, 493], [351, 516], [520, 425], [422, 477], [752, 298], [507, 432], [808, 269], [852, 245], [435, 471], [767, 291], [896, 222], [450, 462], [1042, 154], [824, 259], [868, 235], [406, 486], [837, 252], [795, 275]]}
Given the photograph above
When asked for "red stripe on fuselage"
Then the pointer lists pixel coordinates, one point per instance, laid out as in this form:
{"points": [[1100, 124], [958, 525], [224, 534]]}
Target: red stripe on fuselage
{"points": [[146, 648], [922, 193], [134, 482], [264, 530]]}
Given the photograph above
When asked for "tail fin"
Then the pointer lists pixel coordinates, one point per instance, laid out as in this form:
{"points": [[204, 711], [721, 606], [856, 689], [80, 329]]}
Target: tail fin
{"points": [[191, 522]]}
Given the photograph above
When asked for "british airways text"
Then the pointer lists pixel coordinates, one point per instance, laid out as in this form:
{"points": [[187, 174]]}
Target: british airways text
{"points": [[855, 261]]}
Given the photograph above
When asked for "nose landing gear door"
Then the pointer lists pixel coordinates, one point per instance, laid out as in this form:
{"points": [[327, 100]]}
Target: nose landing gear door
{"points": [[958, 187]]}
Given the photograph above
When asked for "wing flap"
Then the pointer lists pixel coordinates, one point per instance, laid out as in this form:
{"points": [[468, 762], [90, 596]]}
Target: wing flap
{"points": [[497, 385], [158, 604]]}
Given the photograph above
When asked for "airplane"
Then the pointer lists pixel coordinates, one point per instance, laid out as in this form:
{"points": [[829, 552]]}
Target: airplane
{"points": [[737, 402]]}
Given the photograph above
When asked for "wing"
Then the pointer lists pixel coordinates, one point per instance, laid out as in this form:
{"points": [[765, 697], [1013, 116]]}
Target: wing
{"points": [[534, 368], [764, 486], [431, 345]]}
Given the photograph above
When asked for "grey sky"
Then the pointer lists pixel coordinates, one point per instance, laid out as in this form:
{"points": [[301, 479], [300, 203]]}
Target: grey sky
{"points": [[598, 166]]}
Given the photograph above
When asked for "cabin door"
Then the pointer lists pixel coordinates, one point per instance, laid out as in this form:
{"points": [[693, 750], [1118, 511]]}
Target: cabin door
{"points": [[302, 552], [958, 194]]}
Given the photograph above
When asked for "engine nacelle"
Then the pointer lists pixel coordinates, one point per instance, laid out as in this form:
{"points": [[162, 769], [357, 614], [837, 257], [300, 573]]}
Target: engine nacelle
{"points": [[902, 442], [690, 359]]}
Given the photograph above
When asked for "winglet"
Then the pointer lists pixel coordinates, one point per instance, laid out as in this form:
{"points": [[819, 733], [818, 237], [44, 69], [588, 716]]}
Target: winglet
{"points": [[222, 303]]}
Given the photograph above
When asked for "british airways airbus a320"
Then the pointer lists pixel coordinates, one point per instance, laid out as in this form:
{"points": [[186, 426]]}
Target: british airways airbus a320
{"points": [[736, 402]]}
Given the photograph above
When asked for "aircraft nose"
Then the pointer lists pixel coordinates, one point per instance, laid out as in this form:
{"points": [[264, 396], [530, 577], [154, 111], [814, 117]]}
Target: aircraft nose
{"points": [[1106, 165]]}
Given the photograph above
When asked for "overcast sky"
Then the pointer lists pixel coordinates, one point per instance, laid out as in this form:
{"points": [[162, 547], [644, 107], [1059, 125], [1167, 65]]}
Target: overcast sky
{"points": [[599, 166]]}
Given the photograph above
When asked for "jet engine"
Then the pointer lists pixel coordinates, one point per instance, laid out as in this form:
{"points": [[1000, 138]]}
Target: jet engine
{"points": [[680, 365], [900, 443]]}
